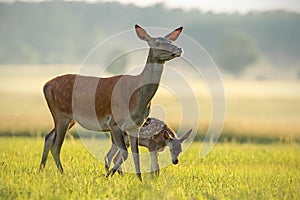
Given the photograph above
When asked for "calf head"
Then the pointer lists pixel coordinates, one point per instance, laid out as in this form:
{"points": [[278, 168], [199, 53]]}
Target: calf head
{"points": [[175, 144]]}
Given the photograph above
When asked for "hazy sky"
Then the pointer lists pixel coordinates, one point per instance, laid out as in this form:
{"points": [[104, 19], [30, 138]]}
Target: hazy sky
{"points": [[224, 5], [242, 6]]}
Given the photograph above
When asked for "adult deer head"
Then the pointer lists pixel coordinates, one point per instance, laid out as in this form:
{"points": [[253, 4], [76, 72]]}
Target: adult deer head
{"points": [[162, 47]]}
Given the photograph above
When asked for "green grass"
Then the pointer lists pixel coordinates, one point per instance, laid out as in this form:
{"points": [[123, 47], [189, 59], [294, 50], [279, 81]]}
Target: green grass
{"points": [[230, 171]]}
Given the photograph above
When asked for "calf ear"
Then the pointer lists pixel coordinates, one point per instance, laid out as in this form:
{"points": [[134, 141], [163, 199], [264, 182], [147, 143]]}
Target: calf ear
{"points": [[167, 136], [185, 136]]}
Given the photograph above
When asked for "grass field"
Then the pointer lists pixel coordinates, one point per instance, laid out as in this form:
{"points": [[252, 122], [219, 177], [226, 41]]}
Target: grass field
{"points": [[230, 171]]}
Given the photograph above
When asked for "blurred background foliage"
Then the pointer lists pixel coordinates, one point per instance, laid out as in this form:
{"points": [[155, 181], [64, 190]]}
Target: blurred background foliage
{"points": [[59, 32]]}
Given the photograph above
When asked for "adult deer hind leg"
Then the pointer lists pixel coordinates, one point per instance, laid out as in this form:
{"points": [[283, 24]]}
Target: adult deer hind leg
{"points": [[61, 128], [54, 141], [47, 145]]}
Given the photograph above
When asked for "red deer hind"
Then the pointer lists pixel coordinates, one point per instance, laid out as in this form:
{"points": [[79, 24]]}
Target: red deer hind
{"points": [[122, 102]]}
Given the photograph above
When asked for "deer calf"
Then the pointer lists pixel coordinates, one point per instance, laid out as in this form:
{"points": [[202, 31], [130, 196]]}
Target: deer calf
{"points": [[154, 135]]}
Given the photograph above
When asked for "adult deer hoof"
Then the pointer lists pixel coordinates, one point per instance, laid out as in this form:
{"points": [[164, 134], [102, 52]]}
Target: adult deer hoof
{"points": [[139, 175]]}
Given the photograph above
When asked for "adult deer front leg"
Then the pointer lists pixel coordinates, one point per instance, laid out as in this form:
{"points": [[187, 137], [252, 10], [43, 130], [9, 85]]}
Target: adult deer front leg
{"points": [[134, 143], [109, 156], [118, 140]]}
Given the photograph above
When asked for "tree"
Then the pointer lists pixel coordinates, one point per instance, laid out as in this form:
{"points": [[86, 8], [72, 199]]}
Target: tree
{"points": [[237, 52]]}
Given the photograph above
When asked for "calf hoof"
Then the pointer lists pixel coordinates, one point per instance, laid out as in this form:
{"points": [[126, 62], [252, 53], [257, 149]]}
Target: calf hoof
{"points": [[155, 173]]}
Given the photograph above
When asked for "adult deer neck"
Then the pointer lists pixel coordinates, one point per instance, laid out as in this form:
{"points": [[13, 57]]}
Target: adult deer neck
{"points": [[152, 70], [150, 78]]}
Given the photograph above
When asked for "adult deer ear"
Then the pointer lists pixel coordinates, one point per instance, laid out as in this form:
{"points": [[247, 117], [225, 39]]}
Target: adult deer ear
{"points": [[141, 33], [174, 35], [186, 135]]}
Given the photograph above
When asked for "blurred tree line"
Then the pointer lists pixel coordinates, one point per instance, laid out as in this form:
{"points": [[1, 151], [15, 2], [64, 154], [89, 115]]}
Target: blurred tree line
{"points": [[64, 32]]}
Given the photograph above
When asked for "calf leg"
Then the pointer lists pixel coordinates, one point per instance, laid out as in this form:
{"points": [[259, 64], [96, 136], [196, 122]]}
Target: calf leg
{"points": [[154, 163]]}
